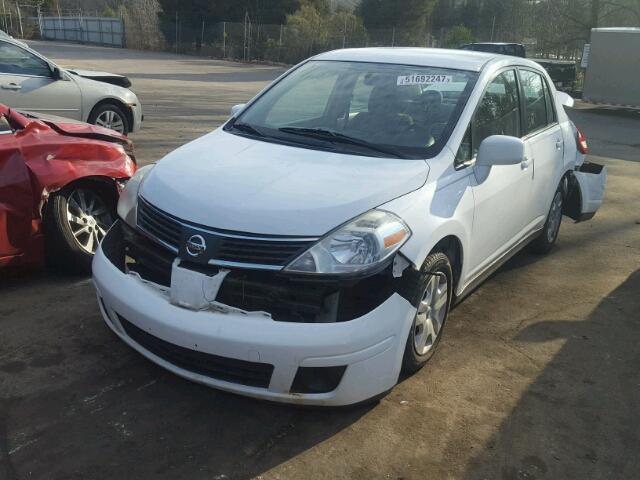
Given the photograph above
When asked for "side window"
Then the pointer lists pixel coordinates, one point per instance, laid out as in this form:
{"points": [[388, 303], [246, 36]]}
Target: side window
{"points": [[498, 112], [534, 100], [5, 126], [551, 113], [464, 154], [17, 61]]}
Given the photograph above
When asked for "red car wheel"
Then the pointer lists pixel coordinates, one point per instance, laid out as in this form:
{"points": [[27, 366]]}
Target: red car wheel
{"points": [[77, 220]]}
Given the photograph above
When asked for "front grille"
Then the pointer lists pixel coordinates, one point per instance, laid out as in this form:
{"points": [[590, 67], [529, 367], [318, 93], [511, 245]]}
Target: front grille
{"points": [[223, 246], [159, 225], [265, 252], [287, 297], [253, 374]]}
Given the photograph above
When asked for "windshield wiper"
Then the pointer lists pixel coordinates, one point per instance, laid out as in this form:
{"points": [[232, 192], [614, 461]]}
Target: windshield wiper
{"points": [[247, 128], [337, 137]]}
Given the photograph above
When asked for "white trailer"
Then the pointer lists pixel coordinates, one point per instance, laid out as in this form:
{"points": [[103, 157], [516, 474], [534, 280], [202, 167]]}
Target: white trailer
{"points": [[613, 67]]}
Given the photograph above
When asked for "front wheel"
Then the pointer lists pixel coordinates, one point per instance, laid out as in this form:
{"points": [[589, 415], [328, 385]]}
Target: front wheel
{"points": [[436, 290], [76, 221], [110, 115], [547, 238]]}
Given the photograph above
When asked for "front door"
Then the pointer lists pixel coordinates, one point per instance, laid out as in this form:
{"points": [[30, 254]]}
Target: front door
{"points": [[27, 83], [16, 199], [502, 193]]}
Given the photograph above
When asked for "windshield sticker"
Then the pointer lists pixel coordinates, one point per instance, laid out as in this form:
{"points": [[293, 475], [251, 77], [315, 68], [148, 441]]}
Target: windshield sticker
{"points": [[421, 79]]}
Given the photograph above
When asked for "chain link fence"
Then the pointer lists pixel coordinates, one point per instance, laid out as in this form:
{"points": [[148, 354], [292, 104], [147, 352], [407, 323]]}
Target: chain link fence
{"points": [[247, 41], [140, 24]]}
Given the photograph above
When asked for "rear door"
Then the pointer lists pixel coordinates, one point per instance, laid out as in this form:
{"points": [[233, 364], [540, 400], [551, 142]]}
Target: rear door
{"points": [[16, 199], [544, 141], [27, 83]]}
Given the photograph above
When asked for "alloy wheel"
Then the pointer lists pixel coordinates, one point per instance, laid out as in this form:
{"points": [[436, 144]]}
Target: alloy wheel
{"points": [[88, 218], [431, 314], [555, 217], [111, 119]]}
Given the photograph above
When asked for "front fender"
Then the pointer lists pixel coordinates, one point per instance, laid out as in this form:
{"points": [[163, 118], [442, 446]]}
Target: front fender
{"points": [[55, 160], [436, 211]]}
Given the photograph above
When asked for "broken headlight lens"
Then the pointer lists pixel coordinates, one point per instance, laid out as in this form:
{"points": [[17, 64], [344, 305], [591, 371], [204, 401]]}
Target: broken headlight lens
{"points": [[356, 246], [128, 202]]}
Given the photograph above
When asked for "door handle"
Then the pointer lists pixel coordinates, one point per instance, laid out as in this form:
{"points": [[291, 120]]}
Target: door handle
{"points": [[10, 86], [525, 163], [558, 144]]}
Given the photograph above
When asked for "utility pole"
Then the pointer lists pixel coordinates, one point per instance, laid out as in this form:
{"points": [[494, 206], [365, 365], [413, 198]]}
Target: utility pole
{"points": [[176, 31], [4, 16], [40, 22], [493, 26], [344, 32], [224, 39], [244, 42], [202, 34], [280, 43], [595, 16], [20, 20]]}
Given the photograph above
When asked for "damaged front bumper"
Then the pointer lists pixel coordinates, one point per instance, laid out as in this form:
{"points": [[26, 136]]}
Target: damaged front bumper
{"points": [[325, 346]]}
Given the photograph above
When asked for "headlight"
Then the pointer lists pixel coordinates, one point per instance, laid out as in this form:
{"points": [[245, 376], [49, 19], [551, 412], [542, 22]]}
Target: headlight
{"points": [[356, 246], [128, 203]]}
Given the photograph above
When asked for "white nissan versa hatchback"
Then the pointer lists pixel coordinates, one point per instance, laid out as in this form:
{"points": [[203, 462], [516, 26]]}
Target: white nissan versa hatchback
{"points": [[310, 249]]}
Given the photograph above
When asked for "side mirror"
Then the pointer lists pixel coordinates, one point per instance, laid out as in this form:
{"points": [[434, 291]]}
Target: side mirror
{"points": [[564, 99], [236, 109], [56, 74], [500, 150]]}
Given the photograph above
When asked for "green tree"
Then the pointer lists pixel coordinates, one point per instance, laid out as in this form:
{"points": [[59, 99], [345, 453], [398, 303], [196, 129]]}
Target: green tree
{"points": [[458, 35], [411, 19]]}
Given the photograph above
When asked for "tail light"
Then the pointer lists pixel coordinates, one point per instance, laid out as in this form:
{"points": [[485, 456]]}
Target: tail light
{"points": [[581, 140]]}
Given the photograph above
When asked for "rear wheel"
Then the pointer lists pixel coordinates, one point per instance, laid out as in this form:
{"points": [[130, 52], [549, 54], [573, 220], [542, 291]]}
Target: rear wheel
{"points": [[110, 115], [547, 238], [436, 289], [76, 221]]}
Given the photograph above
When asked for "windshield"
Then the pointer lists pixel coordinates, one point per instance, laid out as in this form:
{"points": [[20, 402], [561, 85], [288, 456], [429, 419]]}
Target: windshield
{"points": [[364, 108]]}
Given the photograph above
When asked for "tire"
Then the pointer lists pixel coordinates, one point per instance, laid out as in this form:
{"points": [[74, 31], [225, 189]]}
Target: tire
{"points": [[110, 115], [433, 309], [545, 242], [75, 221]]}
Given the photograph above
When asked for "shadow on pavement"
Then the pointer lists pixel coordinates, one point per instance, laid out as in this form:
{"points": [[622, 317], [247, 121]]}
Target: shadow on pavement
{"points": [[581, 417], [101, 411]]}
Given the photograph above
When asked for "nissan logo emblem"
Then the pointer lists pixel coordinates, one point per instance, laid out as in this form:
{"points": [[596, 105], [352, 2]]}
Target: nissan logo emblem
{"points": [[196, 245]]}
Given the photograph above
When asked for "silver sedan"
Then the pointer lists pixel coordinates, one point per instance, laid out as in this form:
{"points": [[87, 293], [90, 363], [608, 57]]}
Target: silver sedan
{"points": [[29, 81]]}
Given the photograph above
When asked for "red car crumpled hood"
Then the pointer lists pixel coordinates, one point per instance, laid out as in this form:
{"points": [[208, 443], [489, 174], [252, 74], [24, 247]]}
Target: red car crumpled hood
{"points": [[66, 126]]}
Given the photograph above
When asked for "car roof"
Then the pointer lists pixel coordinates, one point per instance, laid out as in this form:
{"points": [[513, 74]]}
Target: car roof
{"points": [[15, 41], [495, 43], [427, 57], [617, 29]]}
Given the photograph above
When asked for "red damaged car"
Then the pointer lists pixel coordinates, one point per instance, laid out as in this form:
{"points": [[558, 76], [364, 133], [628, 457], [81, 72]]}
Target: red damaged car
{"points": [[59, 185]]}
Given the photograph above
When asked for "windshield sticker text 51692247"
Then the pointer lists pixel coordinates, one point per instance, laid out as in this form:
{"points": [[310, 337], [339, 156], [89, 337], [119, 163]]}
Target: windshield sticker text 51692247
{"points": [[421, 79]]}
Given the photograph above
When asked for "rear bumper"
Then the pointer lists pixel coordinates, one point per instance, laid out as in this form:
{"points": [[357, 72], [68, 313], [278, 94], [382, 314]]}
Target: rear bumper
{"points": [[371, 346]]}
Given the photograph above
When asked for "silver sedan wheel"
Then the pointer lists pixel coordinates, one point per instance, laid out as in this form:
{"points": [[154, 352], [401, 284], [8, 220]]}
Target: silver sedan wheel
{"points": [[89, 218], [431, 314], [111, 119], [555, 217]]}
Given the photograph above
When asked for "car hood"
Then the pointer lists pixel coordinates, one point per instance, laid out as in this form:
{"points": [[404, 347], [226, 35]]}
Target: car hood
{"points": [[106, 77], [75, 128], [235, 183]]}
